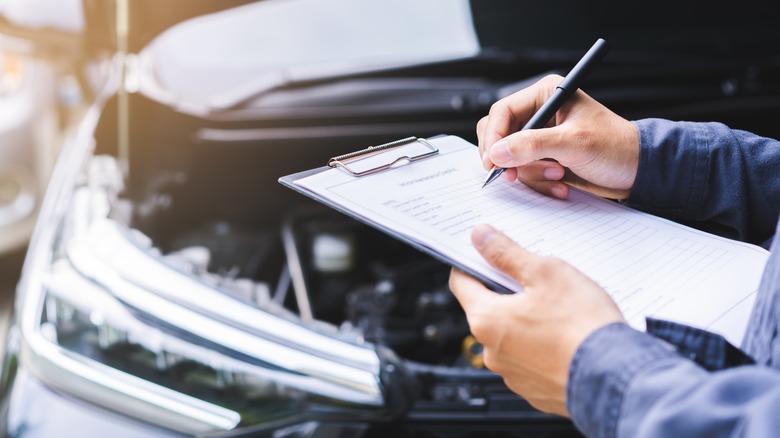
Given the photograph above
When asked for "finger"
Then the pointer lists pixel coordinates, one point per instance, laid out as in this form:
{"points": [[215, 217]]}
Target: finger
{"points": [[508, 114], [553, 189], [544, 177], [468, 290], [523, 147], [510, 174], [575, 181], [481, 135], [500, 123], [486, 163], [503, 253], [541, 170]]}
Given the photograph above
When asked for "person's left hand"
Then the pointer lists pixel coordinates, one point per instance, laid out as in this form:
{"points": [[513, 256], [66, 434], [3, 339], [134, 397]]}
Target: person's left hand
{"points": [[530, 337]]}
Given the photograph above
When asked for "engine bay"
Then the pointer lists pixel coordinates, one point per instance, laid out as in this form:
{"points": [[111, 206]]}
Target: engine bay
{"points": [[328, 268]]}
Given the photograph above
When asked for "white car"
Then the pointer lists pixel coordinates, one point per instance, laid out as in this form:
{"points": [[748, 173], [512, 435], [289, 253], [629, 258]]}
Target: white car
{"points": [[173, 287]]}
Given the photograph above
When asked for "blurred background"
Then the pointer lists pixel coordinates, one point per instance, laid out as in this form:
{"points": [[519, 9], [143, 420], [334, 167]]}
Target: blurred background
{"points": [[37, 104], [167, 288], [30, 134]]}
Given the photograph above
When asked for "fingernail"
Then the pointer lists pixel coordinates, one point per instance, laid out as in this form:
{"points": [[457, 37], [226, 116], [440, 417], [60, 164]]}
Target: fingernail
{"points": [[499, 152], [553, 173], [481, 234], [558, 191]]}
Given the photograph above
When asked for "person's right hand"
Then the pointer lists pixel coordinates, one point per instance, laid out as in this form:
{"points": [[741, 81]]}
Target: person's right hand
{"points": [[594, 149]]}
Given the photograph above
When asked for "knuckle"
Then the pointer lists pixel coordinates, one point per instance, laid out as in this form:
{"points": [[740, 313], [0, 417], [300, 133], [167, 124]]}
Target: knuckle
{"points": [[481, 124], [528, 174], [579, 135], [490, 362], [480, 327], [498, 107]]}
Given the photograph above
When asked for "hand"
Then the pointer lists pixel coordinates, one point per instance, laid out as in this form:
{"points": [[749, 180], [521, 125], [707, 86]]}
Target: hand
{"points": [[595, 149], [530, 337]]}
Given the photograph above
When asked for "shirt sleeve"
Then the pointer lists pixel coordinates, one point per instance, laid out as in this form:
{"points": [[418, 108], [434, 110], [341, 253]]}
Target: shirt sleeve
{"points": [[708, 176], [625, 383]]}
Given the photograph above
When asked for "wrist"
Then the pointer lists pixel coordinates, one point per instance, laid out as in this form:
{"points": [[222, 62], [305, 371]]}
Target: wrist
{"points": [[630, 159]]}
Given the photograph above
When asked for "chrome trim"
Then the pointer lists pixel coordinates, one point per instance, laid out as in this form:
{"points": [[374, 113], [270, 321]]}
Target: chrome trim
{"points": [[123, 392], [110, 245], [105, 256], [64, 370], [92, 298]]}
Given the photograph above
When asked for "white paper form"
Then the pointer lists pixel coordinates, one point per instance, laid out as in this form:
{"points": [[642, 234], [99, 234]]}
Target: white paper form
{"points": [[650, 266]]}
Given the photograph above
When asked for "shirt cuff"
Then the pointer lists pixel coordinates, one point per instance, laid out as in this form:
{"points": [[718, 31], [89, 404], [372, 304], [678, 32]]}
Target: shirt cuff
{"points": [[710, 350], [672, 172], [601, 370]]}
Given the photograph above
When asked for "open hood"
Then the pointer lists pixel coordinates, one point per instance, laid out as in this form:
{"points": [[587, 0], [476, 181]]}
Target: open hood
{"points": [[91, 25], [228, 57]]}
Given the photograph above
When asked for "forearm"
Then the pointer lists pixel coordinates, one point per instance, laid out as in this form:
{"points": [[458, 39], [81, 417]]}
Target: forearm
{"points": [[718, 179]]}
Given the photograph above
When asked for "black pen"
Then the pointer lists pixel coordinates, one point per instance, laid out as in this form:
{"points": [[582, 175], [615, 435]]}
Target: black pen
{"points": [[568, 86]]}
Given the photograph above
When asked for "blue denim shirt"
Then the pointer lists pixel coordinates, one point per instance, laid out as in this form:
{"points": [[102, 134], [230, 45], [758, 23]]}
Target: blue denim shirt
{"points": [[674, 380]]}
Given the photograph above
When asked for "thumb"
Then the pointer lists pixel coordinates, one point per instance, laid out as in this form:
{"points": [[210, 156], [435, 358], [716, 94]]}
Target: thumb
{"points": [[469, 291], [529, 145], [503, 253]]}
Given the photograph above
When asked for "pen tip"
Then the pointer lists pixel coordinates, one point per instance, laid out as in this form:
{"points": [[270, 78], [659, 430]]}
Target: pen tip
{"points": [[487, 180], [491, 176]]}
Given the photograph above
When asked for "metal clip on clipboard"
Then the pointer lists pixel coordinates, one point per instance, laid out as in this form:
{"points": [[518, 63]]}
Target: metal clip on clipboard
{"points": [[373, 152]]}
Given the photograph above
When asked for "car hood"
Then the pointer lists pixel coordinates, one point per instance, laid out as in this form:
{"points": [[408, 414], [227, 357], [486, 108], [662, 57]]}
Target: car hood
{"points": [[91, 25], [224, 58]]}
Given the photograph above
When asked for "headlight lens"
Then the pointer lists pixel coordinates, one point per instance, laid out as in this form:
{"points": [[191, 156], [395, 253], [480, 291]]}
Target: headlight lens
{"points": [[108, 318]]}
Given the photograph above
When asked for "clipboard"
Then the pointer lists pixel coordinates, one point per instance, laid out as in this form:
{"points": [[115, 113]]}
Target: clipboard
{"points": [[653, 266], [379, 158]]}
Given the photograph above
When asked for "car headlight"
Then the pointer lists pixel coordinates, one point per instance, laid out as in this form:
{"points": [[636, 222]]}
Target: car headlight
{"points": [[104, 316]]}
